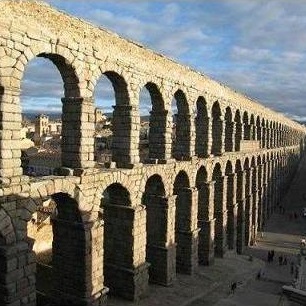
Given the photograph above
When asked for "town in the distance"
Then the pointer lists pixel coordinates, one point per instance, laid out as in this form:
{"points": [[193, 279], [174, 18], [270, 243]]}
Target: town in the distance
{"points": [[41, 142]]}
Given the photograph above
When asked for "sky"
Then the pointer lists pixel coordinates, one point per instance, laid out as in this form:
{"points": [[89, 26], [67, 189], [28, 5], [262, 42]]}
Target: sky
{"points": [[257, 47]]}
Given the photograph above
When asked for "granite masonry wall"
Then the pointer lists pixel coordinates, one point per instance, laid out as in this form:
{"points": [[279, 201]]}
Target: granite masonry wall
{"points": [[204, 190]]}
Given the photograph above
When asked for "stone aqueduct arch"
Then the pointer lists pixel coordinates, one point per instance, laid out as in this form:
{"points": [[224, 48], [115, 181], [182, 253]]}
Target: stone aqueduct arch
{"points": [[119, 229]]}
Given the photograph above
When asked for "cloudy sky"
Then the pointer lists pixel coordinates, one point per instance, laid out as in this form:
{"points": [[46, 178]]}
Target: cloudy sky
{"points": [[257, 47]]}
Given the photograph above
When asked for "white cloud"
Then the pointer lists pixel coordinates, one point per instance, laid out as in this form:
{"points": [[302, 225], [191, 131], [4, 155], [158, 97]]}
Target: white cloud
{"points": [[170, 13], [128, 26]]}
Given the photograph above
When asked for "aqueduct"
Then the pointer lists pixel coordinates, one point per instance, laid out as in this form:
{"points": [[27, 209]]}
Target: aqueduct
{"points": [[208, 191]]}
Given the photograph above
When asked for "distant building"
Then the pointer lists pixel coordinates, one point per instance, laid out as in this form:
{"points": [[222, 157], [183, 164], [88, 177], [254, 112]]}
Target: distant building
{"points": [[99, 116], [44, 129], [55, 128], [103, 144], [41, 125]]}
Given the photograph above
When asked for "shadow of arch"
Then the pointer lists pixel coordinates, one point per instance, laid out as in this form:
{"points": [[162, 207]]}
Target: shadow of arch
{"points": [[66, 207], [157, 124], [231, 207], [202, 128], [252, 128], [7, 232], [118, 217], [217, 125], [7, 249], [241, 207], [62, 280], [260, 217], [156, 227], [254, 200], [181, 139], [246, 126], [238, 133], [258, 131], [263, 134], [181, 189], [66, 69], [121, 129], [69, 279], [248, 201], [228, 139], [120, 87], [218, 210], [205, 254]]}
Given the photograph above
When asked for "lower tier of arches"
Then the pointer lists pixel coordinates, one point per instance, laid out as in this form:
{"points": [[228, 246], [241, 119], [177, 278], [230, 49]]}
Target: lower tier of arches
{"points": [[134, 237]]}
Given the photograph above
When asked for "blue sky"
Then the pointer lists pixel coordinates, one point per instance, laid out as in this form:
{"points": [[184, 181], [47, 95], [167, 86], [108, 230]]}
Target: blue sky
{"points": [[256, 47]]}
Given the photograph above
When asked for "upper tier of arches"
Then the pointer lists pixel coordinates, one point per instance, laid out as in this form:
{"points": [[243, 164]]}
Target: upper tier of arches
{"points": [[211, 120]]}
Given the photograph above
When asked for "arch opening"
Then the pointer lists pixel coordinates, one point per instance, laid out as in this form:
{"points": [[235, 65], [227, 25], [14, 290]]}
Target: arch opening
{"points": [[45, 118], [230, 206], [204, 217], [218, 211], [246, 127], [153, 119], [248, 202], [228, 139], [238, 134], [181, 127], [258, 132], [241, 209], [254, 202], [217, 126], [156, 228], [104, 97], [202, 128], [252, 128], [58, 235], [111, 131], [183, 202], [118, 216]]}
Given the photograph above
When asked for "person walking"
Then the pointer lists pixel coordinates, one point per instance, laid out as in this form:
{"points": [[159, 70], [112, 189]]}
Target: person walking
{"points": [[296, 272], [291, 268], [272, 255], [258, 276], [269, 256], [233, 287], [280, 260]]}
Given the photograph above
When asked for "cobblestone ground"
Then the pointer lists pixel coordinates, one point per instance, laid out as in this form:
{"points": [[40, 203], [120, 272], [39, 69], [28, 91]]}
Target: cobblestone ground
{"points": [[207, 281]]}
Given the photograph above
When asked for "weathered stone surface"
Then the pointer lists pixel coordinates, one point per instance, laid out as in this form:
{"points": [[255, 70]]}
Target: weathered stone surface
{"points": [[132, 223]]}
